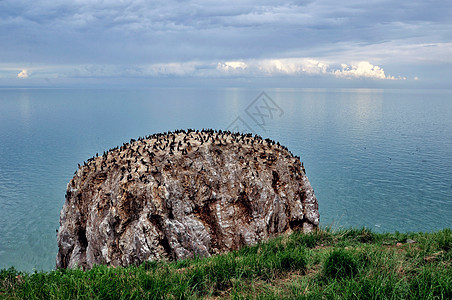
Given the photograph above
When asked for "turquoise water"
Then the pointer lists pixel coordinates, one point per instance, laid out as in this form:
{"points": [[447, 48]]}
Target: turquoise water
{"points": [[376, 158]]}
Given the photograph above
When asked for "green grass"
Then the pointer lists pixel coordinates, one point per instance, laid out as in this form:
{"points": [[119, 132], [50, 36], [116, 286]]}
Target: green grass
{"points": [[347, 264]]}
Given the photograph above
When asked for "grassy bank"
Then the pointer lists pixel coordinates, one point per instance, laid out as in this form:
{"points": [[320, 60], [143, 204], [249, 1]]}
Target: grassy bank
{"points": [[350, 264]]}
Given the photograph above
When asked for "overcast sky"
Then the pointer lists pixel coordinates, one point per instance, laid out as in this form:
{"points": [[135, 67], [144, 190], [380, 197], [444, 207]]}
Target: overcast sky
{"points": [[397, 43]]}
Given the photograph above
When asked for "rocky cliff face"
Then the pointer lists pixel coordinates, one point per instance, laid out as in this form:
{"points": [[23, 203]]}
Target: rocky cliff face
{"points": [[176, 195]]}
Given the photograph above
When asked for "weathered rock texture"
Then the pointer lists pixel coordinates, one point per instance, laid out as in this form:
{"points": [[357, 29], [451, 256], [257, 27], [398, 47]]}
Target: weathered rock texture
{"points": [[176, 195]]}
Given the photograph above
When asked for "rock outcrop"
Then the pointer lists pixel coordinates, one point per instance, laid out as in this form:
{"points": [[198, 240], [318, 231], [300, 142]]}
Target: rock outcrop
{"points": [[176, 195]]}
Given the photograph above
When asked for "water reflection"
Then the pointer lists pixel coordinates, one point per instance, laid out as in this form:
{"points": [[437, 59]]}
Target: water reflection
{"points": [[25, 107]]}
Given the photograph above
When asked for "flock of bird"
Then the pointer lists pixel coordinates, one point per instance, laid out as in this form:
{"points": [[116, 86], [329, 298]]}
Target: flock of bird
{"points": [[140, 156]]}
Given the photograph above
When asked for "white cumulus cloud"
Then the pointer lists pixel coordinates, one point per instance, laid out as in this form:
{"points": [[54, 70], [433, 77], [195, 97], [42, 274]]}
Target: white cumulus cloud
{"points": [[231, 66], [23, 74], [363, 69], [276, 66], [292, 66]]}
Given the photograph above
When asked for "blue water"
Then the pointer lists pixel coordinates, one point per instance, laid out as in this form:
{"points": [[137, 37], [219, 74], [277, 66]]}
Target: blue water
{"points": [[376, 158]]}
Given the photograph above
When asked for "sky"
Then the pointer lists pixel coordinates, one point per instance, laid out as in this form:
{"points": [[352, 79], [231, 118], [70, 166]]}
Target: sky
{"points": [[318, 43]]}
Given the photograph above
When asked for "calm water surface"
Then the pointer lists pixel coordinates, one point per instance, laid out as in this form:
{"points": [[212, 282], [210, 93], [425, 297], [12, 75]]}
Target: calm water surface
{"points": [[376, 158]]}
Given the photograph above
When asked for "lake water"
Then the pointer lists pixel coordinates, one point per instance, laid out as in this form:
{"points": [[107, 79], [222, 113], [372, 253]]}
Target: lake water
{"points": [[376, 158]]}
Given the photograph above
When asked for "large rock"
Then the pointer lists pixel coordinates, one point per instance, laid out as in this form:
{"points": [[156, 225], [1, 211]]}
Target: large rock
{"points": [[176, 195]]}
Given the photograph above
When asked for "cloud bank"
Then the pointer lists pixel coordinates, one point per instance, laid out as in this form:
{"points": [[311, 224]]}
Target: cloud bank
{"points": [[353, 39], [303, 66], [283, 67], [364, 69]]}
